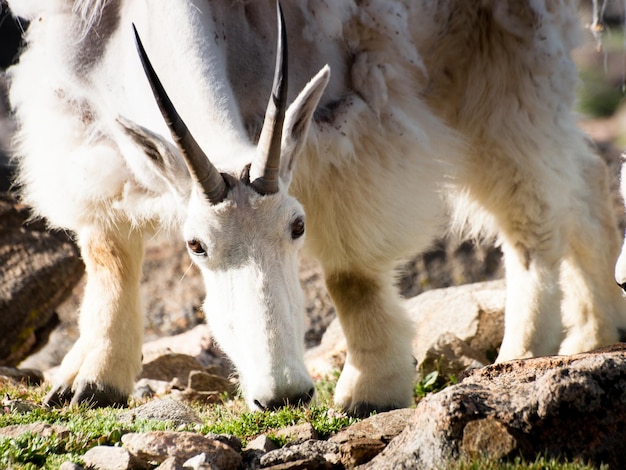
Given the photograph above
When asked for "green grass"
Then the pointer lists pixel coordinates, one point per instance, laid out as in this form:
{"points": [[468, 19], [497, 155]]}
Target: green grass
{"points": [[91, 427], [432, 382]]}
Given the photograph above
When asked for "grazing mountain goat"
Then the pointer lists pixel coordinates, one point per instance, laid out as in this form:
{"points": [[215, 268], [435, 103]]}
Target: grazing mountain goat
{"points": [[436, 110]]}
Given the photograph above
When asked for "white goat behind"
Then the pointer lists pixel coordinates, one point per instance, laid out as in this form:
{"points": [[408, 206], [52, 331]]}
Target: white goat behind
{"points": [[620, 266], [460, 104]]}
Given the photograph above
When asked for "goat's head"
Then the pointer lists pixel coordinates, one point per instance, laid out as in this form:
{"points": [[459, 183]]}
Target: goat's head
{"points": [[244, 233]]}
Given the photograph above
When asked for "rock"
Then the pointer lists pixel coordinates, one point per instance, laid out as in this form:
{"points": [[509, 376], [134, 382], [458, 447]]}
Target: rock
{"points": [[473, 313], [297, 433], [38, 270], [450, 356], [562, 407], [162, 410], [201, 462], [382, 426], [29, 376], [39, 429], [111, 458], [148, 388], [487, 436], [170, 463], [360, 451], [196, 342], [471, 316], [229, 440], [18, 406], [184, 373], [262, 443], [201, 381], [205, 398], [169, 367], [364, 440], [157, 446], [70, 466], [308, 455]]}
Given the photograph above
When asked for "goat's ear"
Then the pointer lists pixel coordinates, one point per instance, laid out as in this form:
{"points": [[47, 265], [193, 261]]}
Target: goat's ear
{"points": [[298, 119], [160, 161]]}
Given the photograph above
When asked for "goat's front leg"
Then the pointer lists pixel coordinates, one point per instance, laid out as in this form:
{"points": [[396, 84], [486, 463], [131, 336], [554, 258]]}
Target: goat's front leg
{"points": [[101, 367], [379, 371]]}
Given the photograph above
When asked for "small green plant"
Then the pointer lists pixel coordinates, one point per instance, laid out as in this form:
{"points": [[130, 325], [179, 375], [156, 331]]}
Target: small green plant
{"points": [[433, 382]]}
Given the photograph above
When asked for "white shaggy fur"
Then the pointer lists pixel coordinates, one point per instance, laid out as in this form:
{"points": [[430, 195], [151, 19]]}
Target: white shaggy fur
{"points": [[435, 109]]}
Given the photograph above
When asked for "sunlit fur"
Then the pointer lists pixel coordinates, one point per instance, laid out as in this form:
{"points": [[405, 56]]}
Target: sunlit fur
{"points": [[620, 266], [436, 111]]}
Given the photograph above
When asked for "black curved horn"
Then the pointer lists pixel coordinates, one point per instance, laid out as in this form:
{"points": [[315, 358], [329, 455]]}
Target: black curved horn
{"points": [[264, 170], [199, 165]]}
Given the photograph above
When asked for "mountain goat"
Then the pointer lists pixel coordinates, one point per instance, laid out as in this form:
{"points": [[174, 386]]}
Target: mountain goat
{"points": [[435, 111]]}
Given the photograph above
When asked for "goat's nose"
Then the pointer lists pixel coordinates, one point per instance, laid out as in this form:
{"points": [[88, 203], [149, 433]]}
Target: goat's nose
{"points": [[622, 285], [293, 400]]}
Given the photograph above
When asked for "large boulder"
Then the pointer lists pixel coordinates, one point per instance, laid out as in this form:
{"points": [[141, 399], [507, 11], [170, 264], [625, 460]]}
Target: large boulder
{"points": [[569, 407], [38, 270], [456, 328]]}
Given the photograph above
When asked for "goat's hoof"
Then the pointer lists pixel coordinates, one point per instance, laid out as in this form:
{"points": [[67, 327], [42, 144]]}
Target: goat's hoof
{"points": [[364, 410], [60, 395], [98, 396], [88, 393]]}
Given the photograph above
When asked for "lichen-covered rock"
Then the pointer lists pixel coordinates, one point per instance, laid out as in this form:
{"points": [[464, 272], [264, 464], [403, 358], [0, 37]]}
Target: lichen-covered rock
{"points": [[162, 410], [561, 406]]}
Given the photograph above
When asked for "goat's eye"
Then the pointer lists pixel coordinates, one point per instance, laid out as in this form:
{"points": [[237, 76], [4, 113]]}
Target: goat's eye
{"points": [[195, 247], [297, 228]]}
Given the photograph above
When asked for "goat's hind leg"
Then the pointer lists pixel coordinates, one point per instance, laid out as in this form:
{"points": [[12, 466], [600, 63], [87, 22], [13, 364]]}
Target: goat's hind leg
{"points": [[560, 243], [101, 367], [379, 371], [594, 312]]}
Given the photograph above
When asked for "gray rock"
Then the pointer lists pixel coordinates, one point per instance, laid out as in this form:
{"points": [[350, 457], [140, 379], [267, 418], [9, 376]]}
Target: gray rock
{"points": [[148, 388], [157, 446], [39, 429], [201, 462], [562, 407], [162, 410], [38, 270], [29, 376], [111, 458], [451, 356], [205, 382], [70, 466], [170, 366], [298, 433], [473, 313], [229, 440], [364, 440], [310, 455], [170, 463], [262, 443], [20, 406]]}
